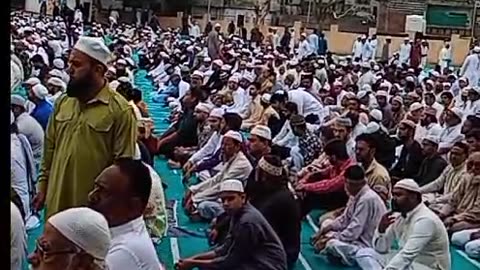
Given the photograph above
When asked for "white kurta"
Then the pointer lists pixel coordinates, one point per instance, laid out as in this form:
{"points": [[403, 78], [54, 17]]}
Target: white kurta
{"points": [[422, 239], [357, 49], [444, 57], [18, 239], [471, 69], [405, 50], [132, 248]]}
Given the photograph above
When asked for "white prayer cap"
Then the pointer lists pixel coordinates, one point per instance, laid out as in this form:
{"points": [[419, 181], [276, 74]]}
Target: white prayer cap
{"points": [[457, 111], [293, 62], [382, 93], [361, 94], [407, 38], [124, 79], [217, 25], [58, 63], [40, 91], [376, 114], [57, 82], [415, 106], [164, 55], [55, 73], [113, 85], [435, 74], [266, 97], [86, 228], [234, 135], [17, 100], [226, 67], [231, 185], [112, 69], [249, 77], [217, 112], [366, 65], [410, 70], [218, 62], [410, 79], [95, 48], [233, 79], [207, 59], [408, 184], [332, 66], [432, 138], [198, 73], [122, 62], [476, 49], [262, 132], [33, 81], [366, 87], [203, 107], [12, 118], [372, 127]]}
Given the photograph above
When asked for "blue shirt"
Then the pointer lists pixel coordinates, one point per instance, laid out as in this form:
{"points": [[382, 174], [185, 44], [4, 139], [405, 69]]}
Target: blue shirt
{"points": [[42, 112]]}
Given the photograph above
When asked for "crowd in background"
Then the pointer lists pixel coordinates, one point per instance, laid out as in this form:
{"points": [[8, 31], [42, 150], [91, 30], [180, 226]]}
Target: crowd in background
{"points": [[265, 129]]}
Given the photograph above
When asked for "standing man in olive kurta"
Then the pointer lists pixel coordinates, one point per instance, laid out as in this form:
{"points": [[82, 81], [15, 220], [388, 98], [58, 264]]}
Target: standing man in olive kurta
{"points": [[90, 128]]}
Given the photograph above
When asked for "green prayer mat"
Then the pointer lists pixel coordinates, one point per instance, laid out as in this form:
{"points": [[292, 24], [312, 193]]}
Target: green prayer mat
{"points": [[170, 249]]}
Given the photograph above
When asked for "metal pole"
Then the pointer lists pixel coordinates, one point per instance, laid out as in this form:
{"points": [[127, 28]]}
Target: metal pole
{"points": [[309, 10], [474, 17], [208, 9]]}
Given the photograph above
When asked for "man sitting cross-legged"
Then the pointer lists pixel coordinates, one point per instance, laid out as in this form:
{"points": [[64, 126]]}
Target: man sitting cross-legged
{"points": [[438, 192], [251, 242], [201, 200], [462, 212], [354, 229], [470, 240]]}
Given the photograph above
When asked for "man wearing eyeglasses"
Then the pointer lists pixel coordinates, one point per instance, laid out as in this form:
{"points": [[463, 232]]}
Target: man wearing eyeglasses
{"points": [[77, 238]]}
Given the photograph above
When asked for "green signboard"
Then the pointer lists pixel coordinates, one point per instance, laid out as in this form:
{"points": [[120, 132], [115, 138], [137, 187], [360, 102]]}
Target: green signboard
{"points": [[448, 16]]}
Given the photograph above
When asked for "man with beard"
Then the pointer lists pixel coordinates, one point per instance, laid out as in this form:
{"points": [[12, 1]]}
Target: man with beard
{"points": [[452, 131], [433, 164], [422, 238], [385, 107], [411, 155], [438, 192], [398, 114], [429, 124], [462, 210], [254, 113], [91, 127]]}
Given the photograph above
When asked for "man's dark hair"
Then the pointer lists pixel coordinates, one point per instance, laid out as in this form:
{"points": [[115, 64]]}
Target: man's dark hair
{"points": [[368, 138], [136, 95], [327, 133], [139, 180], [277, 97], [355, 173], [475, 133], [257, 85], [474, 120], [292, 107], [462, 146], [233, 120], [354, 118], [336, 148]]}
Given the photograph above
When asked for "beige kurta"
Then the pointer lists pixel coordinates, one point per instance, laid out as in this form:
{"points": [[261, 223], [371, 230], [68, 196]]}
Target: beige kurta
{"points": [[81, 141], [465, 201], [255, 111]]}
